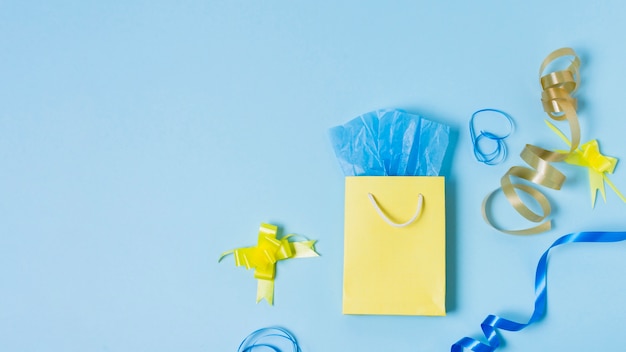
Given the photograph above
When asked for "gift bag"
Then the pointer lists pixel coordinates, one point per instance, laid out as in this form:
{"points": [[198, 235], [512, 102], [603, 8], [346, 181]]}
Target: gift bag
{"points": [[393, 265], [394, 226]]}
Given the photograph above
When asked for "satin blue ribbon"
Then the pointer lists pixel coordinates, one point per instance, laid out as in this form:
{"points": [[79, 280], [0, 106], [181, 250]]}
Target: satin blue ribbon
{"points": [[269, 339], [499, 153], [493, 322]]}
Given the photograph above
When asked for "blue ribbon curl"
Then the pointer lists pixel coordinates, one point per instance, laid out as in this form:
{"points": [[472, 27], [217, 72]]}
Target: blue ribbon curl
{"points": [[272, 339], [493, 322], [499, 153]]}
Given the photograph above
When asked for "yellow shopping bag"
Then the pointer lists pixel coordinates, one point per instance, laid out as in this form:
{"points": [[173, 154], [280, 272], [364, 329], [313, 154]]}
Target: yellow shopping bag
{"points": [[394, 245]]}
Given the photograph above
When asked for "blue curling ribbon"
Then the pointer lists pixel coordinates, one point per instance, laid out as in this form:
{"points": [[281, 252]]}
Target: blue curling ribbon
{"points": [[269, 339], [499, 153], [493, 322]]}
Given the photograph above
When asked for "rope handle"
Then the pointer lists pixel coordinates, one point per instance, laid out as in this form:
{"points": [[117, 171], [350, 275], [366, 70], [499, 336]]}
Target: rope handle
{"points": [[418, 211]]}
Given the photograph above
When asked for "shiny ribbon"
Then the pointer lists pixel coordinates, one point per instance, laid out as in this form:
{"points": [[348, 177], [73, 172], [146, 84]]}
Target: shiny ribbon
{"points": [[263, 257], [588, 156], [493, 323], [559, 104], [269, 339]]}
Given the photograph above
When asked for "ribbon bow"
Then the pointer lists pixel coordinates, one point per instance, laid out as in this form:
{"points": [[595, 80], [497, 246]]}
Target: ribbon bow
{"points": [[263, 257], [588, 155]]}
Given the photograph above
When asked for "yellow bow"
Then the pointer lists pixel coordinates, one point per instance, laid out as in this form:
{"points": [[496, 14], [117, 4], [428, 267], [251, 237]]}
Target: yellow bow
{"points": [[588, 155], [263, 257]]}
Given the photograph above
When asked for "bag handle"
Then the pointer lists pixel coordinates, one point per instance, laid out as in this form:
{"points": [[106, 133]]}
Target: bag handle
{"points": [[418, 211]]}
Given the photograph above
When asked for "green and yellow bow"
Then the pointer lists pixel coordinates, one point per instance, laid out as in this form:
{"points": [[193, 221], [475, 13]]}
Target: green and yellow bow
{"points": [[588, 155], [263, 257]]}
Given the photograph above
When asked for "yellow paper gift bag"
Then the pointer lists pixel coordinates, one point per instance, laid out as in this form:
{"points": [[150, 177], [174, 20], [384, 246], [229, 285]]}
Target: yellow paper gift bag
{"points": [[394, 264]]}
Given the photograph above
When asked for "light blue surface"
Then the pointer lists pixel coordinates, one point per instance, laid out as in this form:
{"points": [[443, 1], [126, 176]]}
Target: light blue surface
{"points": [[141, 139]]}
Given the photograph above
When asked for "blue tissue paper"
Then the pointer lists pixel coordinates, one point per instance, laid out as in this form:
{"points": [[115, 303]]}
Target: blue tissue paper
{"points": [[390, 143], [356, 146]]}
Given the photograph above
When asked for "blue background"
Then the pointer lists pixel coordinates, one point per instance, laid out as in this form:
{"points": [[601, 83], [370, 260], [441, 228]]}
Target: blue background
{"points": [[141, 139]]}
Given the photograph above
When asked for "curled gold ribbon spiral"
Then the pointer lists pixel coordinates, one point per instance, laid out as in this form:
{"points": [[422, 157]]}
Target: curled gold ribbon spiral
{"points": [[558, 102]]}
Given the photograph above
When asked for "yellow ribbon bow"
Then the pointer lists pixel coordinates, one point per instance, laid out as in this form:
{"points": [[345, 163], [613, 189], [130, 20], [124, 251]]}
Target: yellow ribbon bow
{"points": [[263, 257], [588, 155]]}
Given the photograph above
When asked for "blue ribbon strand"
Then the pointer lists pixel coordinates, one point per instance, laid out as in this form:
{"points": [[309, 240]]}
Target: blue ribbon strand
{"points": [[269, 339], [498, 154], [492, 323]]}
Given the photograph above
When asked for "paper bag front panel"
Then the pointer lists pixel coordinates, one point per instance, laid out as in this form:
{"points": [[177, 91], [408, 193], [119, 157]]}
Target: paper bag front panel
{"points": [[390, 270]]}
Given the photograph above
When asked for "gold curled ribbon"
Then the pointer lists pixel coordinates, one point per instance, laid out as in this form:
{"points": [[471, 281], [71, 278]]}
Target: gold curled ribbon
{"points": [[598, 165], [558, 88], [263, 257]]}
